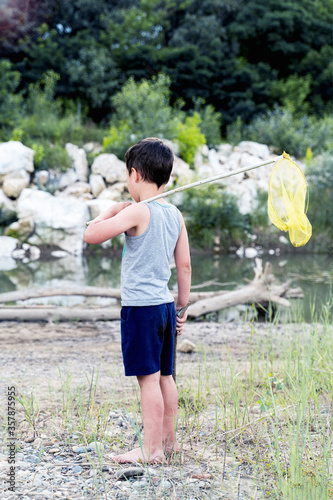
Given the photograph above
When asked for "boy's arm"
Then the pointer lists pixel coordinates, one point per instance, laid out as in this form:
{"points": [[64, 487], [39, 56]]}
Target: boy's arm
{"points": [[183, 266], [113, 221]]}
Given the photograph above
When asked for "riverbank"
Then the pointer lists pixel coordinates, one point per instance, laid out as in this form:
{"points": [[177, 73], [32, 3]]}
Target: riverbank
{"points": [[243, 383]]}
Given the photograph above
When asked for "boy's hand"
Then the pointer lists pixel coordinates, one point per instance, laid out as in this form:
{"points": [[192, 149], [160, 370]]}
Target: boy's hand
{"points": [[180, 323], [112, 211], [115, 209], [181, 318]]}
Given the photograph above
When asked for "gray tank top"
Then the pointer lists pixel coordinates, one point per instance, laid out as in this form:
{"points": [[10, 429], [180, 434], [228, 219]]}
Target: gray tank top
{"points": [[145, 269]]}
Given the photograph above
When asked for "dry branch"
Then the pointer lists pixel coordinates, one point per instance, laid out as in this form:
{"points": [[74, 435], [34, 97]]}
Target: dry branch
{"points": [[261, 290], [58, 314]]}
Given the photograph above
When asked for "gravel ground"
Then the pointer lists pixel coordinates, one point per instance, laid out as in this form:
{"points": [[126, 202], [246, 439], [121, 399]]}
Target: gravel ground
{"points": [[55, 463]]}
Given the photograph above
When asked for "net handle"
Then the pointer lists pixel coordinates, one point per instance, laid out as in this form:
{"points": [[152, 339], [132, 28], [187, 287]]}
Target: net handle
{"points": [[208, 180]]}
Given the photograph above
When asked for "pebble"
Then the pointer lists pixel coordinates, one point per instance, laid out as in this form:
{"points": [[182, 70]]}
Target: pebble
{"points": [[77, 468], [129, 472]]}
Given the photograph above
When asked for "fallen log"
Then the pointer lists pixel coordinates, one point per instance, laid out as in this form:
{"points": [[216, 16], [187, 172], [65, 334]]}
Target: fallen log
{"points": [[86, 291], [56, 313], [261, 291], [33, 293]]}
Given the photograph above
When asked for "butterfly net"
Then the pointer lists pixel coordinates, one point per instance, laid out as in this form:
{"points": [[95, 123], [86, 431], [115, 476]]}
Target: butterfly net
{"points": [[288, 200]]}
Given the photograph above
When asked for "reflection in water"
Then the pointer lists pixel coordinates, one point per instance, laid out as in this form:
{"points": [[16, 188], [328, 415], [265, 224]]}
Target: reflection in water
{"points": [[313, 273]]}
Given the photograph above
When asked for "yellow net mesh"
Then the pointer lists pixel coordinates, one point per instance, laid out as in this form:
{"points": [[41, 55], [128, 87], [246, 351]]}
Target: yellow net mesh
{"points": [[287, 200]]}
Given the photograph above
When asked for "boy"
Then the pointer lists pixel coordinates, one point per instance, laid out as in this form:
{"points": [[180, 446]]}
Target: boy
{"points": [[154, 232]]}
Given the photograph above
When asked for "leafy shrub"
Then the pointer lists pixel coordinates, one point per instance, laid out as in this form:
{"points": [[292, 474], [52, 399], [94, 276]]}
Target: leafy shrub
{"points": [[210, 124], [320, 211], [190, 137], [10, 101], [141, 110], [285, 132], [210, 212], [55, 157]]}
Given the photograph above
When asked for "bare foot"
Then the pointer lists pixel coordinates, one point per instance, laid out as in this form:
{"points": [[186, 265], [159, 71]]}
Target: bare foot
{"points": [[136, 455], [173, 447]]}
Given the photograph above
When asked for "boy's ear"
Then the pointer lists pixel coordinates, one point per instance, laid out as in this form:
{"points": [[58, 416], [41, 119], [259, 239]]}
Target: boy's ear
{"points": [[136, 174]]}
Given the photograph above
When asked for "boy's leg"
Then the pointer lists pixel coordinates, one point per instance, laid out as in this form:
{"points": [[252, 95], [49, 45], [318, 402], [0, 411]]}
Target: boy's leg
{"points": [[152, 415], [170, 398]]}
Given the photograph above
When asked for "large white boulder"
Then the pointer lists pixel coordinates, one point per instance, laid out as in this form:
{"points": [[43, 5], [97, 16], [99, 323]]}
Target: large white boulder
{"points": [[254, 149], [15, 182], [15, 156], [7, 246], [58, 221], [79, 160], [97, 184], [6, 204], [110, 168], [98, 206]]}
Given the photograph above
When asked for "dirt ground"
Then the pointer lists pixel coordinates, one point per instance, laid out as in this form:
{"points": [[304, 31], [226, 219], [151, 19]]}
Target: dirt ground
{"points": [[33, 355]]}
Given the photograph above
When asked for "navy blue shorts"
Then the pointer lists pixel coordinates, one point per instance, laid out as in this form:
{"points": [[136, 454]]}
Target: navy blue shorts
{"points": [[147, 339]]}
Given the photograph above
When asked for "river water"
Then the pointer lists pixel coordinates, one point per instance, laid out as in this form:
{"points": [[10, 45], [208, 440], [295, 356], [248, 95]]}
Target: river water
{"points": [[313, 273]]}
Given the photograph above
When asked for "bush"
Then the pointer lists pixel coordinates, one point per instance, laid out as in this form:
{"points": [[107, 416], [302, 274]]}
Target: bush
{"points": [[190, 137], [212, 213], [210, 124], [320, 211], [141, 110], [10, 102], [283, 131]]}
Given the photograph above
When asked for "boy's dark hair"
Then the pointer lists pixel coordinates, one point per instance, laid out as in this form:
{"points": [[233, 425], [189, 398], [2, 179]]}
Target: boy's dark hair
{"points": [[152, 158]]}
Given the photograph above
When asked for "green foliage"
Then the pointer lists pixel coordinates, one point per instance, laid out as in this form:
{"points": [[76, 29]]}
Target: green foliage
{"points": [[292, 93], [210, 124], [10, 102], [141, 110], [55, 157], [190, 137], [320, 211], [211, 213], [94, 74], [284, 131]]}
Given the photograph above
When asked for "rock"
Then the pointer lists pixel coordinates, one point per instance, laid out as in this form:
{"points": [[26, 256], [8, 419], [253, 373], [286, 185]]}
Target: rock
{"points": [[110, 194], [79, 160], [283, 240], [251, 253], [22, 228], [58, 221], [180, 167], [255, 149], [34, 253], [15, 156], [110, 168], [77, 469], [79, 449], [7, 205], [42, 178], [18, 254], [15, 182], [97, 184], [93, 147], [186, 346], [7, 246], [97, 447], [78, 190], [98, 206], [129, 472], [30, 439], [59, 254], [68, 178]]}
